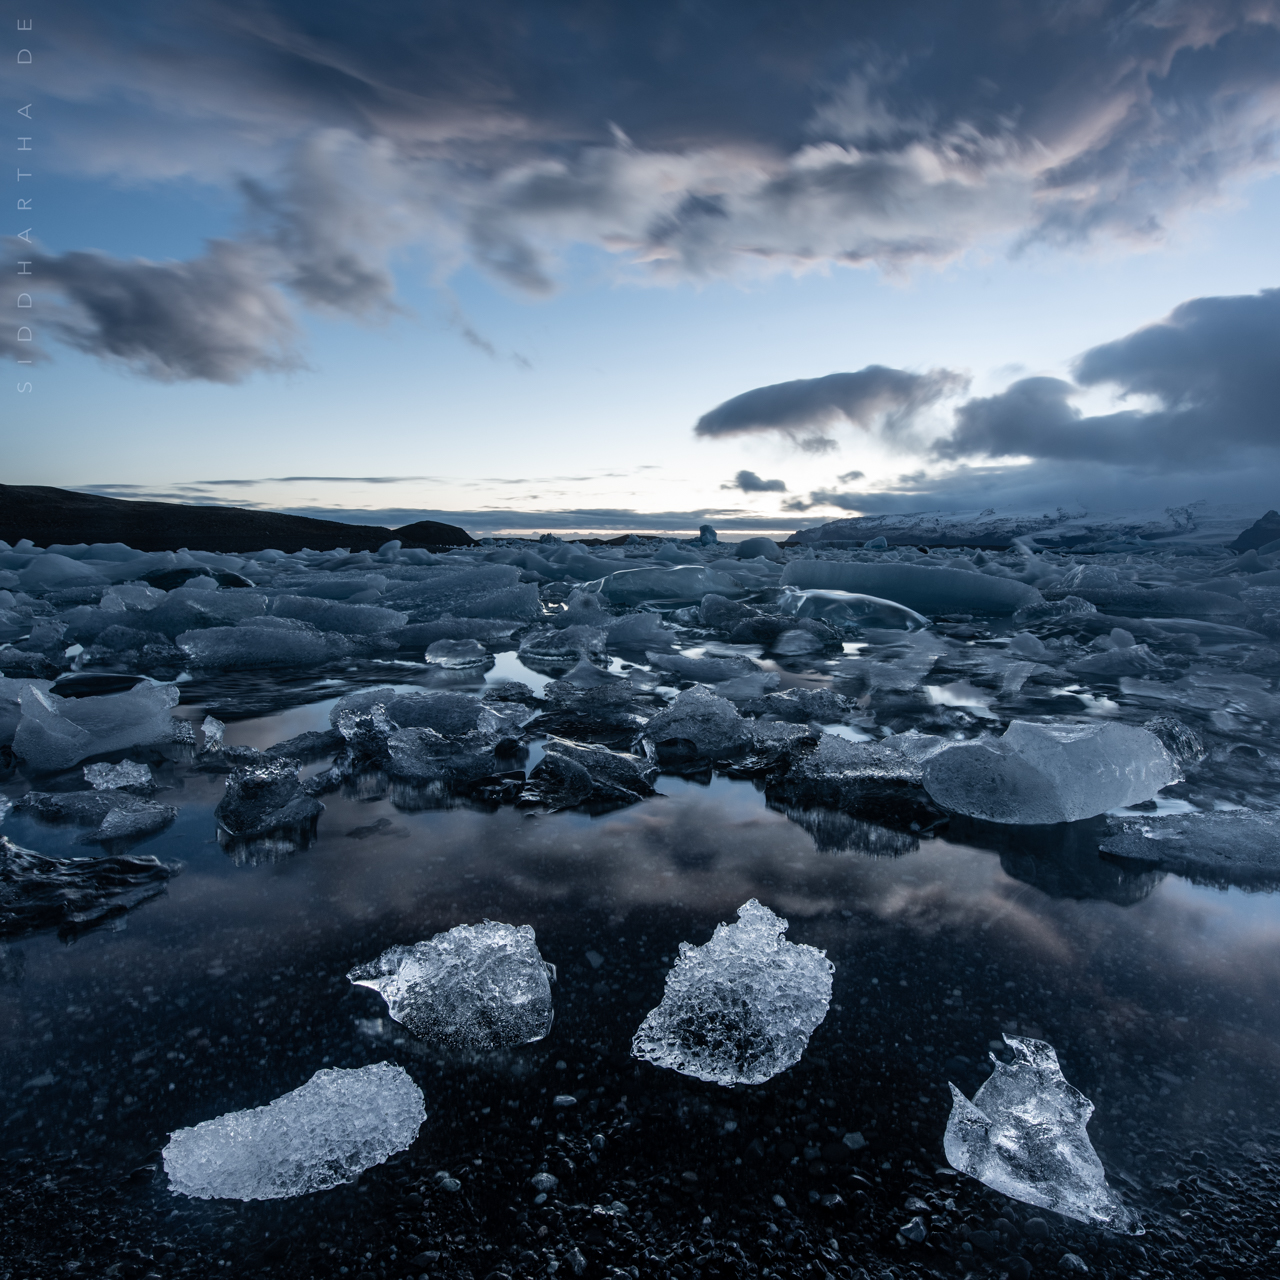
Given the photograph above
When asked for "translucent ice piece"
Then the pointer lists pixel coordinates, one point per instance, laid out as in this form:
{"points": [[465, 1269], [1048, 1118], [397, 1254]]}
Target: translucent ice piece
{"points": [[56, 732], [481, 986], [1043, 773], [848, 608], [1024, 1136], [740, 1008], [458, 655], [128, 773], [316, 1137]]}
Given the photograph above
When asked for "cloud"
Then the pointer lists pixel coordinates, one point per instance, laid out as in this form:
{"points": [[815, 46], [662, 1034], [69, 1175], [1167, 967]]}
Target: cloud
{"points": [[802, 409], [749, 482], [1212, 368], [746, 141], [1045, 484], [217, 317]]}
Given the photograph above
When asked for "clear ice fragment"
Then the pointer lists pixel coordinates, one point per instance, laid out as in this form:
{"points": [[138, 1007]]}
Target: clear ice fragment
{"points": [[1023, 1135], [740, 1008], [213, 729], [316, 1137], [128, 773], [482, 986]]}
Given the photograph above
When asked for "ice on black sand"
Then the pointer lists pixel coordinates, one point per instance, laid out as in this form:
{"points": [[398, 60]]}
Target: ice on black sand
{"points": [[1044, 773], [482, 986], [740, 1008], [1023, 1135], [313, 1138]]}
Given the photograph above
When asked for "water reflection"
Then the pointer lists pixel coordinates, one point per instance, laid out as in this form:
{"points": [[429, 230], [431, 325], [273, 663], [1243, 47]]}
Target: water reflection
{"points": [[1162, 999]]}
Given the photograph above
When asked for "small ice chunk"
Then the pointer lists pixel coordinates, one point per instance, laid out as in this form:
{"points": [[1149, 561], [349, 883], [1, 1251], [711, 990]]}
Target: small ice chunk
{"points": [[458, 655], [109, 777], [740, 1008], [639, 631], [1025, 645], [1119, 660], [698, 724], [548, 644], [259, 645], [749, 548], [132, 822], [850, 609], [686, 582], [1053, 610], [263, 799], [481, 986], [1043, 773], [212, 728], [338, 1124], [704, 670], [1024, 1136]]}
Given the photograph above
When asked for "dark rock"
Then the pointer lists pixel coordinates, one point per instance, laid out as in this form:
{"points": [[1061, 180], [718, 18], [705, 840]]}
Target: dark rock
{"points": [[47, 516], [1263, 530], [1035, 1229], [983, 1242]]}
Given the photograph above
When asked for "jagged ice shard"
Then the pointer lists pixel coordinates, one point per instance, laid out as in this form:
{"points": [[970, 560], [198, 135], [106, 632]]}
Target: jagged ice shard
{"points": [[1024, 1136], [482, 986], [741, 1008], [311, 1139]]}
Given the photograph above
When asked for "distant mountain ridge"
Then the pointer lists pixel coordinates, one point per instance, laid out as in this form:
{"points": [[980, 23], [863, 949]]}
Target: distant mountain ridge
{"points": [[62, 517]]}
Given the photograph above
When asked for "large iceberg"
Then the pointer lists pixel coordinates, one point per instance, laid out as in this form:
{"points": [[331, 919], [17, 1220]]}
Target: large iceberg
{"points": [[481, 986], [338, 1124], [1024, 1136], [1042, 773], [740, 1008], [926, 590]]}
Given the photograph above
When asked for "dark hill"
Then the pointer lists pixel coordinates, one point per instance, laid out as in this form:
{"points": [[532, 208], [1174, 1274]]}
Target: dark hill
{"points": [[58, 516]]}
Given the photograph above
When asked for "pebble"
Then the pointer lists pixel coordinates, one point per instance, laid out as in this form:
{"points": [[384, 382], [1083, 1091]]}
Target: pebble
{"points": [[1073, 1263], [915, 1231]]}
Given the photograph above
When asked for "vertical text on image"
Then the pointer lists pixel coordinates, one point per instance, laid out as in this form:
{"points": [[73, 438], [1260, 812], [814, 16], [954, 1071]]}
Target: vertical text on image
{"points": [[24, 300]]}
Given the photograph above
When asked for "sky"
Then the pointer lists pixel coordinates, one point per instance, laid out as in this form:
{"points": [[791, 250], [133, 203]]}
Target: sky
{"points": [[591, 266]]}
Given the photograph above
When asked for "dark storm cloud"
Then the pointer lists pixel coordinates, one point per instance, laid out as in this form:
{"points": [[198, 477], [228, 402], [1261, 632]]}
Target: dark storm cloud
{"points": [[1212, 367], [216, 317], [802, 409], [689, 141], [749, 482]]}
